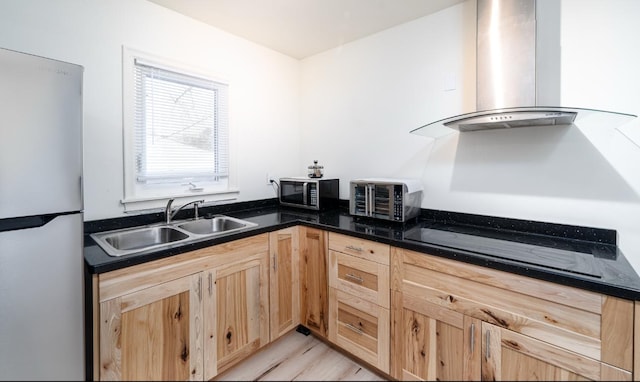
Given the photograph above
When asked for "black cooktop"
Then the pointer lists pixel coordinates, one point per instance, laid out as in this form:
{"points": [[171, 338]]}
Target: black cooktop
{"points": [[567, 255]]}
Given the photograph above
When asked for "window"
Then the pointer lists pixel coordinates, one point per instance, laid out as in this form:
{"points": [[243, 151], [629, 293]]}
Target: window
{"points": [[176, 131]]}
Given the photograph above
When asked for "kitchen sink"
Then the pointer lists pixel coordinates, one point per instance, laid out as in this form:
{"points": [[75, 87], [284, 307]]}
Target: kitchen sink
{"points": [[216, 224], [138, 239], [143, 238]]}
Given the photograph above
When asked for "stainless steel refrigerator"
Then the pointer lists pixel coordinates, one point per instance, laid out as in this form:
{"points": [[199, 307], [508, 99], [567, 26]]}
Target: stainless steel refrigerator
{"points": [[41, 219]]}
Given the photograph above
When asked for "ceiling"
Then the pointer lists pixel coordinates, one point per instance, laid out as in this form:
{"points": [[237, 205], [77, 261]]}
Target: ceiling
{"points": [[302, 28]]}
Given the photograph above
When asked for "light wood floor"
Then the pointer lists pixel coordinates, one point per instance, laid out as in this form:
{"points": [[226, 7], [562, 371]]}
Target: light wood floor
{"points": [[296, 357]]}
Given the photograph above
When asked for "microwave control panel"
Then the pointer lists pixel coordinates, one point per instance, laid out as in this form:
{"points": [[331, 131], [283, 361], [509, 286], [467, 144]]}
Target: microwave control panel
{"points": [[313, 194]]}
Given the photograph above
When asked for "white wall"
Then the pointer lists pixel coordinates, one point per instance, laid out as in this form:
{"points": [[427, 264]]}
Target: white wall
{"points": [[352, 108], [264, 84], [361, 100]]}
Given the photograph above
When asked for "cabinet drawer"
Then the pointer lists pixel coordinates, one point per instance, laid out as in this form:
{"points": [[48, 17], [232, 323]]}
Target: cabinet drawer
{"points": [[360, 327], [362, 278], [510, 356], [365, 249], [587, 323]]}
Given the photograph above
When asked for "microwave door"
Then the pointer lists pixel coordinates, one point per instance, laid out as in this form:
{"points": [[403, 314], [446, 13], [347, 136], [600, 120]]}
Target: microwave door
{"points": [[293, 193]]}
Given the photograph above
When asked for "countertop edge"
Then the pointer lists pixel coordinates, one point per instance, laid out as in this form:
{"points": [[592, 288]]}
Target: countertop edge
{"points": [[563, 278]]}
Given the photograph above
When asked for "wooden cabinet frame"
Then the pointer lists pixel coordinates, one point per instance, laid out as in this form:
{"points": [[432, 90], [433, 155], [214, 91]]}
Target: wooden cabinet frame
{"points": [[236, 309], [366, 335], [433, 343], [513, 356], [284, 281], [314, 286], [363, 278], [175, 283], [359, 298], [119, 294], [129, 353], [562, 331]]}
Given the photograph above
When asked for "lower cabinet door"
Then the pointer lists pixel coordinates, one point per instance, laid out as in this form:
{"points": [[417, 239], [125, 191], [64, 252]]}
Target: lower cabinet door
{"points": [[284, 285], [237, 312], [433, 343], [153, 334], [314, 287], [511, 356], [360, 327]]}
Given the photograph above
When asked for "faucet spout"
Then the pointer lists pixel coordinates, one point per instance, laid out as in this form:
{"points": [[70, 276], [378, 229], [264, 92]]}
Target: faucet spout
{"points": [[167, 211], [171, 214]]}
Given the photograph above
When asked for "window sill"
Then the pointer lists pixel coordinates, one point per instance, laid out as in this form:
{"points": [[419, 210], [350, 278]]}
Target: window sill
{"points": [[143, 204]]}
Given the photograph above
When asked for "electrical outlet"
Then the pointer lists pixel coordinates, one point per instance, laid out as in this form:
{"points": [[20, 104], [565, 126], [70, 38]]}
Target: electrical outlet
{"points": [[269, 179]]}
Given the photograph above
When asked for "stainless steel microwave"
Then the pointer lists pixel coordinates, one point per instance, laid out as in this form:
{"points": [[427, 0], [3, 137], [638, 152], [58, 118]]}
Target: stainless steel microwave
{"points": [[310, 193], [385, 198]]}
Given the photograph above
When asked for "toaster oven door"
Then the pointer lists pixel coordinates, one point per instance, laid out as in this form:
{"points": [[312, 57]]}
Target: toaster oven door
{"points": [[374, 200], [382, 201], [359, 199]]}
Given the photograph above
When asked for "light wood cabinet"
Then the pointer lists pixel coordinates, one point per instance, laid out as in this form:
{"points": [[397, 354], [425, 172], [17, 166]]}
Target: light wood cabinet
{"points": [[186, 317], [236, 309], [358, 274], [549, 330], [153, 334], [434, 343], [359, 298], [511, 356], [409, 314], [359, 327], [636, 342], [284, 281], [314, 290]]}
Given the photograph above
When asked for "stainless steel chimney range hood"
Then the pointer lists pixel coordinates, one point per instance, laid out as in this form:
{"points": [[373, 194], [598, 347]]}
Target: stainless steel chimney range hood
{"points": [[513, 117], [517, 70]]}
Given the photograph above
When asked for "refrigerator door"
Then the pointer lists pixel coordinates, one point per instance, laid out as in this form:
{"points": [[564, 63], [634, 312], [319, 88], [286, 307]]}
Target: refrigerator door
{"points": [[40, 135], [41, 301]]}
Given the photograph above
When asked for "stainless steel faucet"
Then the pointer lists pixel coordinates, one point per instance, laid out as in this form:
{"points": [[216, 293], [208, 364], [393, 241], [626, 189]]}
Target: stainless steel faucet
{"points": [[170, 214]]}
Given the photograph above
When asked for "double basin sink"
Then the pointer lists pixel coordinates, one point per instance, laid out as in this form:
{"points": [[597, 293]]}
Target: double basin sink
{"points": [[138, 239]]}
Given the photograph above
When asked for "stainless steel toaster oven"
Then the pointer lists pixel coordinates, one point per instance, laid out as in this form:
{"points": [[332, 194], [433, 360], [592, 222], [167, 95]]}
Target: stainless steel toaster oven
{"points": [[385, 198]]}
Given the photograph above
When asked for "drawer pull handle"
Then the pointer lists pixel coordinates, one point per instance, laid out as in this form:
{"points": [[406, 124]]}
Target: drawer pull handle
{"points": [[473, 334], [354, 328], [488, 350], [355, 278], [353, 248]]}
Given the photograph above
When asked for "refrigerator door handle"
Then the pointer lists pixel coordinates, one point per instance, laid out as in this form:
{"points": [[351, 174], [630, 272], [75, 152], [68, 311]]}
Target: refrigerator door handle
{"points": [[27, 222]]}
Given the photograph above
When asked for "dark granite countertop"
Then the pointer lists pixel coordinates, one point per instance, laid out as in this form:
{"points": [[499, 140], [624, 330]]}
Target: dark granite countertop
{"points": [[582, 257]]}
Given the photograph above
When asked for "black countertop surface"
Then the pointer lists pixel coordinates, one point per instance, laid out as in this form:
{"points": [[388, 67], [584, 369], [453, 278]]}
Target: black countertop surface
{"points": [[582, 257]]}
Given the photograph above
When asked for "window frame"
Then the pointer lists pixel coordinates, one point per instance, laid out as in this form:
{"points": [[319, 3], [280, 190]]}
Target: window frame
{"points": [[138, 196]]}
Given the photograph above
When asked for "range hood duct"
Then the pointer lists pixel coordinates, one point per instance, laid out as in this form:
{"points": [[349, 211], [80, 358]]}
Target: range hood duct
{"points": [[517, 70]]}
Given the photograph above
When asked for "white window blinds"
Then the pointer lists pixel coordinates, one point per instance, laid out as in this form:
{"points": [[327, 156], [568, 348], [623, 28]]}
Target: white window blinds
{"points": [[181, 127]]}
